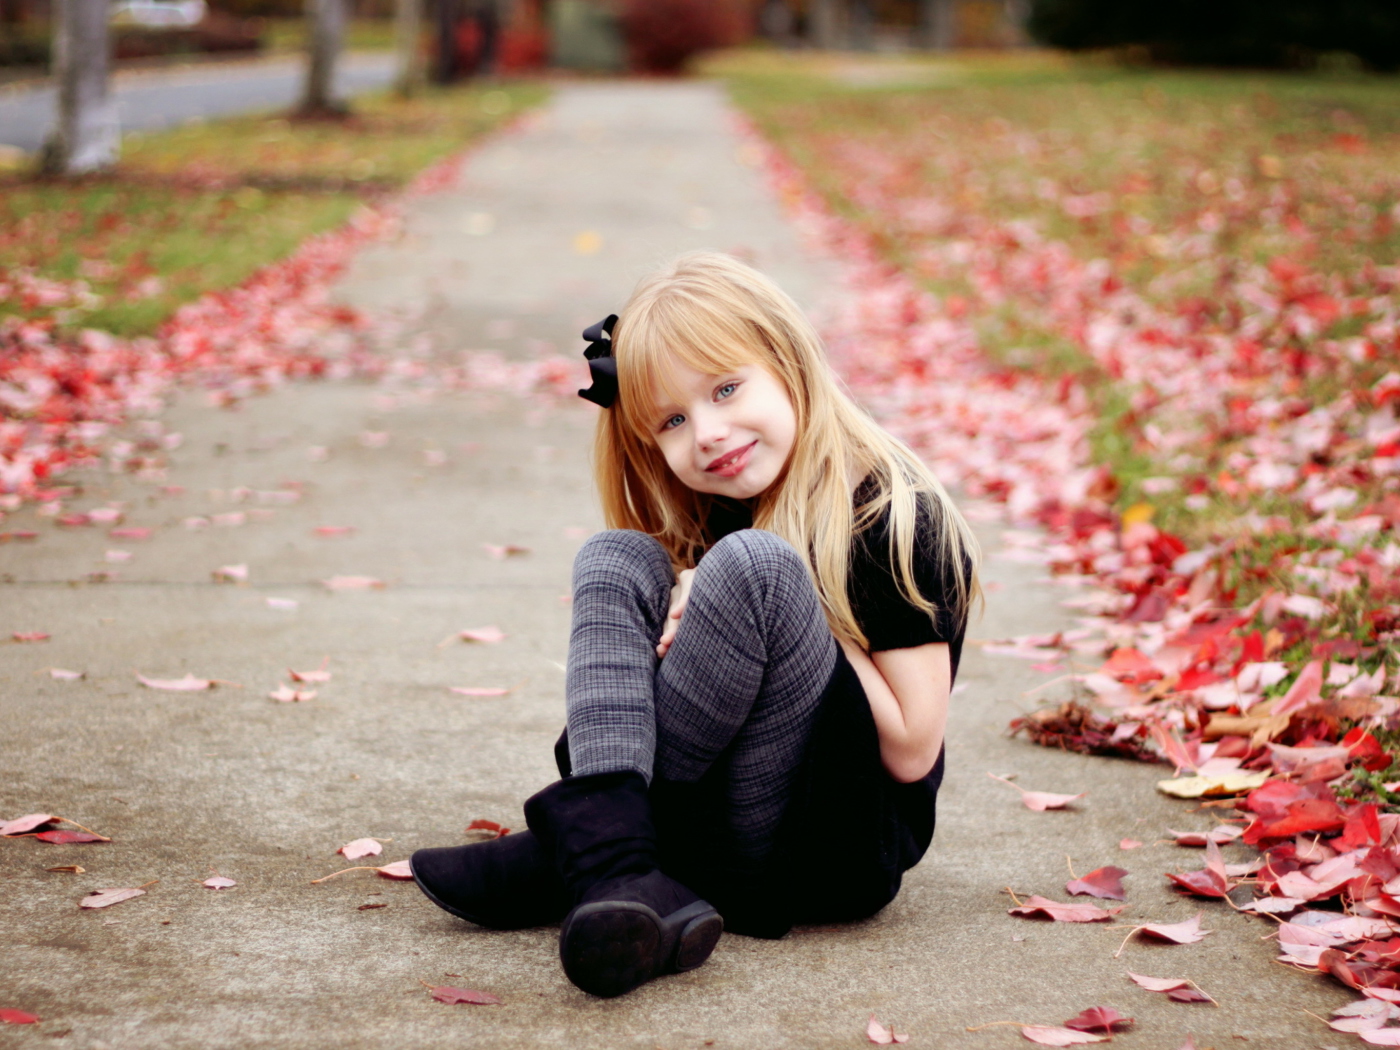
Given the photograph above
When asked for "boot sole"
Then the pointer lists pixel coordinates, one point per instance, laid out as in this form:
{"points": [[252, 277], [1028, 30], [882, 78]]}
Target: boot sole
{"points": [[610, 947]]}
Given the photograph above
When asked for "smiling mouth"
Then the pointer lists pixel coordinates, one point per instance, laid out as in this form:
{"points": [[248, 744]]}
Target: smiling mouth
{"points": [[731, 463]]}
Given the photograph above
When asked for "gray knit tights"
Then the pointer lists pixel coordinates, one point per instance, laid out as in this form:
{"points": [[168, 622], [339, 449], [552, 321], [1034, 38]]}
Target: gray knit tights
{"points": [[739, 685]]}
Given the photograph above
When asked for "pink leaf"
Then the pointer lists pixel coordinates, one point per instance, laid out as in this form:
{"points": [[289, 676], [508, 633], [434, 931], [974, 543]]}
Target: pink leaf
{"points": [[1097, 1018], [1188, 932], [361, 848], [130, 533], [447, 994], [879, 1034], [1306, 689], [218, 882], [188, 684], [285, 604], [504, 551], [1048, 1035], [333, 530], [1040, 801], [399, 869], [30, 636], [465, 690], [20, 825], [1382, 1037], [352, 583], [64, 837], [10, 1016], [230, 574], [287, 695], [321, 675], [1129, 844], [486, 635], [61, 675], [1037, 907], [1105, 883], [1177, 988], [106, 898]]}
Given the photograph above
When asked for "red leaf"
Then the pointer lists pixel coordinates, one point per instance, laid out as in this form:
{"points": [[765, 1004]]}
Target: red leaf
{"points": [[1129, 665], [1037, 907], [1099, 1018], [1306, 689], [63, 837], [30, 636], [1104, 882], [448, 994], [1188, 932], [481, 824], [9, 1016]]}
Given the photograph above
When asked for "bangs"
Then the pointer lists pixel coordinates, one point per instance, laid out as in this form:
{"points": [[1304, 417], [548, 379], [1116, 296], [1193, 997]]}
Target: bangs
{"points": [[678, 328]]}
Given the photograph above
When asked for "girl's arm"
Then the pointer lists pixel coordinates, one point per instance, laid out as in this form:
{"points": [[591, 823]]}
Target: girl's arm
{"points": [[908, 693]]}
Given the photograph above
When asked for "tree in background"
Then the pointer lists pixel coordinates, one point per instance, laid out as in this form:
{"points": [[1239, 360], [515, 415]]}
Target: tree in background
{"points": [[1277, 33], [324, 43], [938, 24], [662, 35], [408, 44], [86, 137]]}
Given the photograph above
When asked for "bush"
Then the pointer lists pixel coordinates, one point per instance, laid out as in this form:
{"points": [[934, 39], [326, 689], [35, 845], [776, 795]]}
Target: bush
{"points": [[663, 35], [1274, 33]]}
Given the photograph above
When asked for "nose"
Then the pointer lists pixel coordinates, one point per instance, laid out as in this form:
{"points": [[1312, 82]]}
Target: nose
{"points": [[710, 428]]}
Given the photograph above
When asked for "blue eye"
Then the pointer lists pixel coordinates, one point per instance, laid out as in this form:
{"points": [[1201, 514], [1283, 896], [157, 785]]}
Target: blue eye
{"points": [[673, 422], [726, 390]]}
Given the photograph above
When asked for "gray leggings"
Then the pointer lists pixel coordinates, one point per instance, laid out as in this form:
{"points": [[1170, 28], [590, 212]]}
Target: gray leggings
{"points": [[740, 684]]}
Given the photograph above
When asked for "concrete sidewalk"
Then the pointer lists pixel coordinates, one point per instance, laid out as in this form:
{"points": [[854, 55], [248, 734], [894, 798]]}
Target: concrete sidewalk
{"points": [[547, 231]]}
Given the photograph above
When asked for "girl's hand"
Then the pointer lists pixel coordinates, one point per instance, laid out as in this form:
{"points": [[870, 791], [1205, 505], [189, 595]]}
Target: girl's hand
{"points": [[680, 594]]}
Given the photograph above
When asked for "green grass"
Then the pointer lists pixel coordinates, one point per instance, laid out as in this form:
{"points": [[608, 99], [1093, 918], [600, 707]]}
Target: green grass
{"points": [[200, 208], [362, 34]]}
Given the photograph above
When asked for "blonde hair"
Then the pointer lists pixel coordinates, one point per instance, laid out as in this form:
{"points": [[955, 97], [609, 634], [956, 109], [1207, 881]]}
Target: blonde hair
{"points": [[714, 314]]}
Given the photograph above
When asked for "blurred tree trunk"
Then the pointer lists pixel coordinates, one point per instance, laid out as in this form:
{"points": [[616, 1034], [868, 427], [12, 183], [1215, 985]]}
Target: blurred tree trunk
{"points": [[326, 39], [86, 137], [825, 23], [408, 41], [445, 66], [938, 24], [862, 34]]}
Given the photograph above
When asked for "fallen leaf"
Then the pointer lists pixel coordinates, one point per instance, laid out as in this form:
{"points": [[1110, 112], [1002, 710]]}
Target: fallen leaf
{"points": [[29, 822], [486, 635], [287, 695], [218, 882], [882, 1036], [130, 533], [321, 675], [11, 1016], [1098, 1018], [1220, 836], [230, 574], [1040, 801], [62, 675], [1188, 932], [481, 824], [352, 583], [503, 551], [30, 636], [1179, 988], [106, 898], [370, 907], [1204, 787], [333, 530], [447, 994], [1048, 1035], [1382, 1037], [285, 604], [463, 690], [188, 684], [399, 869], [361, 848], [1041, 907], [1129, 844], [1106, 883], [64, 837], [69, 869]]}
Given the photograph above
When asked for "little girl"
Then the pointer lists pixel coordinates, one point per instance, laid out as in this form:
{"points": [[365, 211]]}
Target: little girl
{"points": [[763, 645]]}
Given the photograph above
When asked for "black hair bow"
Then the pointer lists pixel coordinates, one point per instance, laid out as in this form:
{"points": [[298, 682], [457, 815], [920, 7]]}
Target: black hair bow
{"points": [[601, 365]]}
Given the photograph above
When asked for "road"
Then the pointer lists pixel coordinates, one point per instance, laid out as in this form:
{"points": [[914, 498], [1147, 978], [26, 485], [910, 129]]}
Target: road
{"points": [[151, 99]]}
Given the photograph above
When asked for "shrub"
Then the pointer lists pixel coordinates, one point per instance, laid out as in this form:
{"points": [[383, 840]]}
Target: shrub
{"points": [[1279, 33], [663, 35]]}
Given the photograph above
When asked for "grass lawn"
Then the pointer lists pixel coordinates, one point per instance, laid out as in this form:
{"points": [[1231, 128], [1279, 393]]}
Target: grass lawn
{"points": [[200, 208], [1203, 192]]}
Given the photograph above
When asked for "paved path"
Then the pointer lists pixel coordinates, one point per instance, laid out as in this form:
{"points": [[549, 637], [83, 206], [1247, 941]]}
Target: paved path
{"points": [[266, 792], [152, 99]]}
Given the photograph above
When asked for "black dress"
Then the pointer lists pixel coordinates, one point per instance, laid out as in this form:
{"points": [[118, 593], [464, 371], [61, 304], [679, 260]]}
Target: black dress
{"points": [[850, 830]]}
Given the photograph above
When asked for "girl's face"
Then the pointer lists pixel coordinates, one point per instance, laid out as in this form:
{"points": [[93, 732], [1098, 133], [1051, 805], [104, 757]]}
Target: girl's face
{"points": [[730, 434]]}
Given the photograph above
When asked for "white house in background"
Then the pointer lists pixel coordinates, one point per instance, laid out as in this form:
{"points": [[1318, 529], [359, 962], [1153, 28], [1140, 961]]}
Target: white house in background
{"points": [[174, 13]]}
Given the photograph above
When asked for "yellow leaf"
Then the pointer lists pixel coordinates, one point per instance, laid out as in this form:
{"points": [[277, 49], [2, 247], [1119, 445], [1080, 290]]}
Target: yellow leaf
{"points": [[1201, 787], [1138, 513]]}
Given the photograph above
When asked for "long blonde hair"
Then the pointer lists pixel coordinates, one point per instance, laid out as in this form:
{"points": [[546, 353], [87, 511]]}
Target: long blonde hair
{"points": [[714, 314]]}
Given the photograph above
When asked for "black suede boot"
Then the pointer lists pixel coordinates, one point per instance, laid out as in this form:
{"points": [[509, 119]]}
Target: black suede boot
{"points": [[509, 883], [630, 922]]}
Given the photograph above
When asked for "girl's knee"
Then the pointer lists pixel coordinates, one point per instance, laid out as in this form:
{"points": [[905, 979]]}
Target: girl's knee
{"points": [[621, 552], [756, 551]]}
